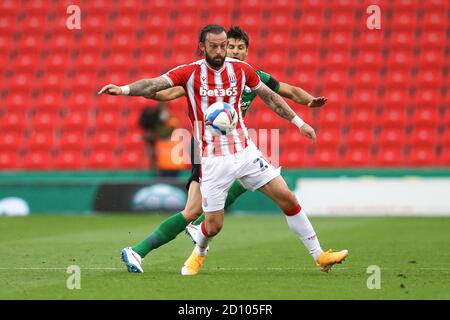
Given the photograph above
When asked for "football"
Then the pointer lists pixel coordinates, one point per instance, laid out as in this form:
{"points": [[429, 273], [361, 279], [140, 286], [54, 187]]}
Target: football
{"points": [[221, 118]]}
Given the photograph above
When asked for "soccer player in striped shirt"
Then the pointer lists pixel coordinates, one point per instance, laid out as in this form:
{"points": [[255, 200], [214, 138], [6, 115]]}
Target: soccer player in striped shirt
{"points": [[206, 81]]}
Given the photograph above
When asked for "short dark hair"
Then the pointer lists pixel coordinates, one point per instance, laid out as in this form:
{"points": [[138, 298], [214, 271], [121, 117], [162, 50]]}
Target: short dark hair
{"points": [[210, 28], [236, 32]]}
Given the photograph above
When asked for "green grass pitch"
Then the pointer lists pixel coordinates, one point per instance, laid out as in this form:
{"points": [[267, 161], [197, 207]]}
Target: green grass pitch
{"points": [[254, 257]]}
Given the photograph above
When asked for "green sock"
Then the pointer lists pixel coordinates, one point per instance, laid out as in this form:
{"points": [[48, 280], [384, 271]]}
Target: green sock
{"points": [[166, 232], [235, 191]]}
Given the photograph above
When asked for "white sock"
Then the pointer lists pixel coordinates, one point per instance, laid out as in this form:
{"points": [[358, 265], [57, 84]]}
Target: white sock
{"points": [[300, 225], [202, 241], [201, 251]]}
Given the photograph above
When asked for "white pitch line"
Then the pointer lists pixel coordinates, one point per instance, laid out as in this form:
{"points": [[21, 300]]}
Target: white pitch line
{"points": [[38, 268], [233, 269]]}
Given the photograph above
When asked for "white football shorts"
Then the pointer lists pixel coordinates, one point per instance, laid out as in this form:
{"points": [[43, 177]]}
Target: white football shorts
{"points": [[218, 174]]}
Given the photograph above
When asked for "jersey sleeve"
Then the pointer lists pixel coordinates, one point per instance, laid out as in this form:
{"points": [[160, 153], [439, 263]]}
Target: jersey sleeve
{"points": [[178, 76], [252, 78], [269, 80]]}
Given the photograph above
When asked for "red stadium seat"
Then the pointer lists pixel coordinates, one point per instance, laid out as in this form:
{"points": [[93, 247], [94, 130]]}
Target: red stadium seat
{"points": [[370, 41], [280, 21], [90, 43], [422, 156], [435, 5], [150, 45], [337, 60], [328, 137], [76, 120], [100, 160], [107, 120], [293, 158], [399, 98], [403, 21], [400, 59], [429, 79], [133, 139], [342, 21], [365, 98], [336, 79], [134, 159], [72, 140], [48, 102], [68, 160], [58, 62], [81, 101], [83, 81], [428, 98], [328, 157], [25, 62], [356, 157], [129, 7], [401, 40], [392, 137], [337, 97], [393, 118], [11, 141], [443, 158], [119, 61], [13, 121], [366, 79], [339, 40], [17, 101], [432, 40], [306, 60], [104, 140], [359, 138], [44, 121], [9, 160], [29, 42], [20, 82], [37, 160], [368, 60], [88, 61], [434, 21], [52, 82], [61, 42], [309, 41], [397, 79], [311, 21], [392, 156], [425, 117], [126, 21], [445, 138], [431, 59], [41, 141], [422, 136]]}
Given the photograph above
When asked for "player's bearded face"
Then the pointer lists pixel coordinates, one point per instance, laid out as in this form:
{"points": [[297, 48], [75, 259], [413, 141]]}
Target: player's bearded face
{"points": [[216, 49]]}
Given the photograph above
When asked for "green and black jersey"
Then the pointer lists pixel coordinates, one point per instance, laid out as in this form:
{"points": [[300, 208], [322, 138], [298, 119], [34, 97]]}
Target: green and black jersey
{"points": [[248, 95]]}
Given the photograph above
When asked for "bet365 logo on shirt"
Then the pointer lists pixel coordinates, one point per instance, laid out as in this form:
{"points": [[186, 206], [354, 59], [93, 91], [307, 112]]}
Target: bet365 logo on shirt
{"points": [[218, 92]]}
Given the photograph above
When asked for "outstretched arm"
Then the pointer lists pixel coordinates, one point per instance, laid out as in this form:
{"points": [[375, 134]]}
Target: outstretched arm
{"points": [[168, 94], [278, 105], [300, 96], [144, 87]]}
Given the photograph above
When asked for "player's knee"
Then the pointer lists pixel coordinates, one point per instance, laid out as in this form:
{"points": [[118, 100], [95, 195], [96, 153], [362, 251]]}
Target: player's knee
{"points": [[289, 200], [213, 228], [192, 213]]}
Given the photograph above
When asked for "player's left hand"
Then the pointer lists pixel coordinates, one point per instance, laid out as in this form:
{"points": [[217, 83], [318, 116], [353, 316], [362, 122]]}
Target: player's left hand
{"points": [[111, 89], [309, 132], [317, 102]]}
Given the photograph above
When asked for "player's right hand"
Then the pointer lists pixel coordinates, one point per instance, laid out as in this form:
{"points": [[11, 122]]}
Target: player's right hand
{"points": [[309, 132], [111, 89]]}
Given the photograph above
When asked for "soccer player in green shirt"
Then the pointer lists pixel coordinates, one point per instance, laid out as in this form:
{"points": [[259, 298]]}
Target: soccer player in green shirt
{"points": [[238, 44]]}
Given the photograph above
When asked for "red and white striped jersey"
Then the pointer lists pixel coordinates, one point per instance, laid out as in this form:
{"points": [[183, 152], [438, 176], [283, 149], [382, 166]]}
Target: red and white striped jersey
{"points": [[204, 86]]}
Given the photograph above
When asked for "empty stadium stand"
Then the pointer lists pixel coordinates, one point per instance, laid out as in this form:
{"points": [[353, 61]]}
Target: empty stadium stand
{"points": [[389, 102]]}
